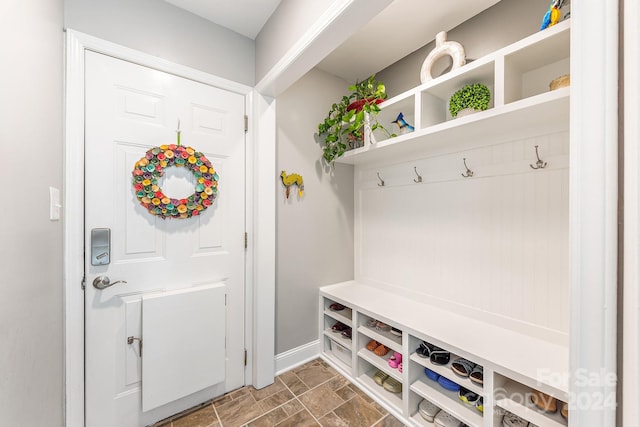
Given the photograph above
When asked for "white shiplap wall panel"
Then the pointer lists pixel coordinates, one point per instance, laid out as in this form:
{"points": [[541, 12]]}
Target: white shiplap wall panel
{"points": [[494, 245]]}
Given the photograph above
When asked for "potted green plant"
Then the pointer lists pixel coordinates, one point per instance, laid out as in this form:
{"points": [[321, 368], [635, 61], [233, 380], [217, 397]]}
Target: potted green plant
{"points": [[474, 97], [343, 128]]}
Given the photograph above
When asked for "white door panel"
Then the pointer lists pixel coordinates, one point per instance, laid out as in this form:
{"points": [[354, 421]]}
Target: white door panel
{"points": [[130, 109]]}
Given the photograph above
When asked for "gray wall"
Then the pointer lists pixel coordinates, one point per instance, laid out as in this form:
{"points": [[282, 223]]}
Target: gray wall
{"points": [[502, 24], [163, 30], [315, 233], [31, 368]]}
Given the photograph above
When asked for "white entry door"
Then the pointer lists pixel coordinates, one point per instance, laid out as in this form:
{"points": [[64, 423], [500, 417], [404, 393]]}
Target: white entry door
{"points": [[173, 335]]}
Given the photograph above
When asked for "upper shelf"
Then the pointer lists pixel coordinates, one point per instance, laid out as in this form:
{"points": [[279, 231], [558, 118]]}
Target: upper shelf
{"points": [[522, 105]]}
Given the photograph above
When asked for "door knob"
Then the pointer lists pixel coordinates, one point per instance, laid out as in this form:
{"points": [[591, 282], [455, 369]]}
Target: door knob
{"points": [[103, 282]]}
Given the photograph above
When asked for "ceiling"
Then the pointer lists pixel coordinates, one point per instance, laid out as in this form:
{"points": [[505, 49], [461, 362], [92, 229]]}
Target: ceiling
{"points": [[403, 27], [246, 17]]}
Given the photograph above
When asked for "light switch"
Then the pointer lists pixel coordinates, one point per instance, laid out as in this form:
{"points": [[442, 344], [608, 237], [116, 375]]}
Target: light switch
{"points": [[54, 204]]}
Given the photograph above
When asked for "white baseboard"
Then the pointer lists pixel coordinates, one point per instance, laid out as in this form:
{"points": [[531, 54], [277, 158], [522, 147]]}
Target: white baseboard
{"points": [[297, 356]]}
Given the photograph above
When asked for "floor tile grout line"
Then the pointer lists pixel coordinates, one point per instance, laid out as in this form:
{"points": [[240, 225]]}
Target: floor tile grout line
{"points": [[215, 411], [304, 407]]}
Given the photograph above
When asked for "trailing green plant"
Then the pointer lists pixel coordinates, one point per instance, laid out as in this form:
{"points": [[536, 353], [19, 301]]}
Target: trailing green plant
{"points": [[343, 128], [476, 96]]}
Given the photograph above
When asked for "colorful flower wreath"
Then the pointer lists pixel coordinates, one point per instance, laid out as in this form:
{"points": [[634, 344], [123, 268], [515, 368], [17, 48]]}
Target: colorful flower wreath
{"points": [[151, 167]]}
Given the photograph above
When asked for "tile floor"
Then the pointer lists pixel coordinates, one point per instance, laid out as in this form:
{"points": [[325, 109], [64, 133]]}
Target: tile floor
{"points": [[313, 394]]}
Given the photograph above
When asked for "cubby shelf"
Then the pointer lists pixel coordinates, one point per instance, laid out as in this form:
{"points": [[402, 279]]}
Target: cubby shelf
{"points": [[544, 113], [518, 77], [343, 316], [385, 338], [448, 401], [518, 402], [505, 366], [380, 362], [366, 380], [445, 371]]}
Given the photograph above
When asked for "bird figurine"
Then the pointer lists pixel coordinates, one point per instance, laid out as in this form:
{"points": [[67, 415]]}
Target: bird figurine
{"points": [[292, 179], [402, 123], [552, 16]]}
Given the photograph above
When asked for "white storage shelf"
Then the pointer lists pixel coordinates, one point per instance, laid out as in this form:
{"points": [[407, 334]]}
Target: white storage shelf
{"points": [[497, 349], [343, 316], [385, 338], [365, 379], [518, 77], [447, 372], [515, 398], [447, 400]]}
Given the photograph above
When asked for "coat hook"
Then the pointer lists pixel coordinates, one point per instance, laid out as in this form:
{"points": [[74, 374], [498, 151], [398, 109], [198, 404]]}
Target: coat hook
{"points": [[539, 164], [469, 172], [381, 183], [419, 179]]}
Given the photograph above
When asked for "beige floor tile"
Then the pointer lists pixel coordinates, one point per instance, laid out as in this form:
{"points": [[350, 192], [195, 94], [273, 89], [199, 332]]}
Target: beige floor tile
{"points": [[315, 375], [269, 419], [321, 400], [346, 393], [204, 417], [299, 419], [239, 411], [332, 420], [294, 383], [390, 421], [360, 393], [358, 413], [222, 400], [267, 391], [292, 406], [276, 400], [338, 382]]}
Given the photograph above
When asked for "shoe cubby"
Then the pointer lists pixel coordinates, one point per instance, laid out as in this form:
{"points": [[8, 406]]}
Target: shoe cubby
{"points": [[423, 387], [380, 331], [513, 397], [509, 377], [443, 370], [366, 372], [335, 345]]}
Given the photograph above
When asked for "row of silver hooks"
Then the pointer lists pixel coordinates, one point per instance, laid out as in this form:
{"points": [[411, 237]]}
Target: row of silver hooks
{"points": [[540, 164]]}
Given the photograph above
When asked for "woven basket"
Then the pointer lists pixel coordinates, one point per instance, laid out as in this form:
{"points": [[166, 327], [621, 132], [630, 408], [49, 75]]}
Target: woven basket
{"points": [[561, 81]]}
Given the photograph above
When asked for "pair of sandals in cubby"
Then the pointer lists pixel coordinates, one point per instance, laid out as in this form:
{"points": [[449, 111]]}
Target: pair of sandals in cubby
{"points": [[461, 366], [387, 382], [344, 330], [395, 361]]}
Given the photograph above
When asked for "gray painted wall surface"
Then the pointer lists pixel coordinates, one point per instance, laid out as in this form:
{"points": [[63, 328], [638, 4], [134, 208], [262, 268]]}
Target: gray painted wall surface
{"points": [[500, 25], [314, 234], [163, 30], [31, 313]]}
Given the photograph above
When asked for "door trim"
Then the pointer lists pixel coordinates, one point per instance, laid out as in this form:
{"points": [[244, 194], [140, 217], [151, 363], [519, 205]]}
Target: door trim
{"points": [[260, 170]]}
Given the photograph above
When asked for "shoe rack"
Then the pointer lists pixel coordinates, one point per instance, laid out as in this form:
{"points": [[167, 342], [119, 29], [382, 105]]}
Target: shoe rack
{"points": [[507, 386]]}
